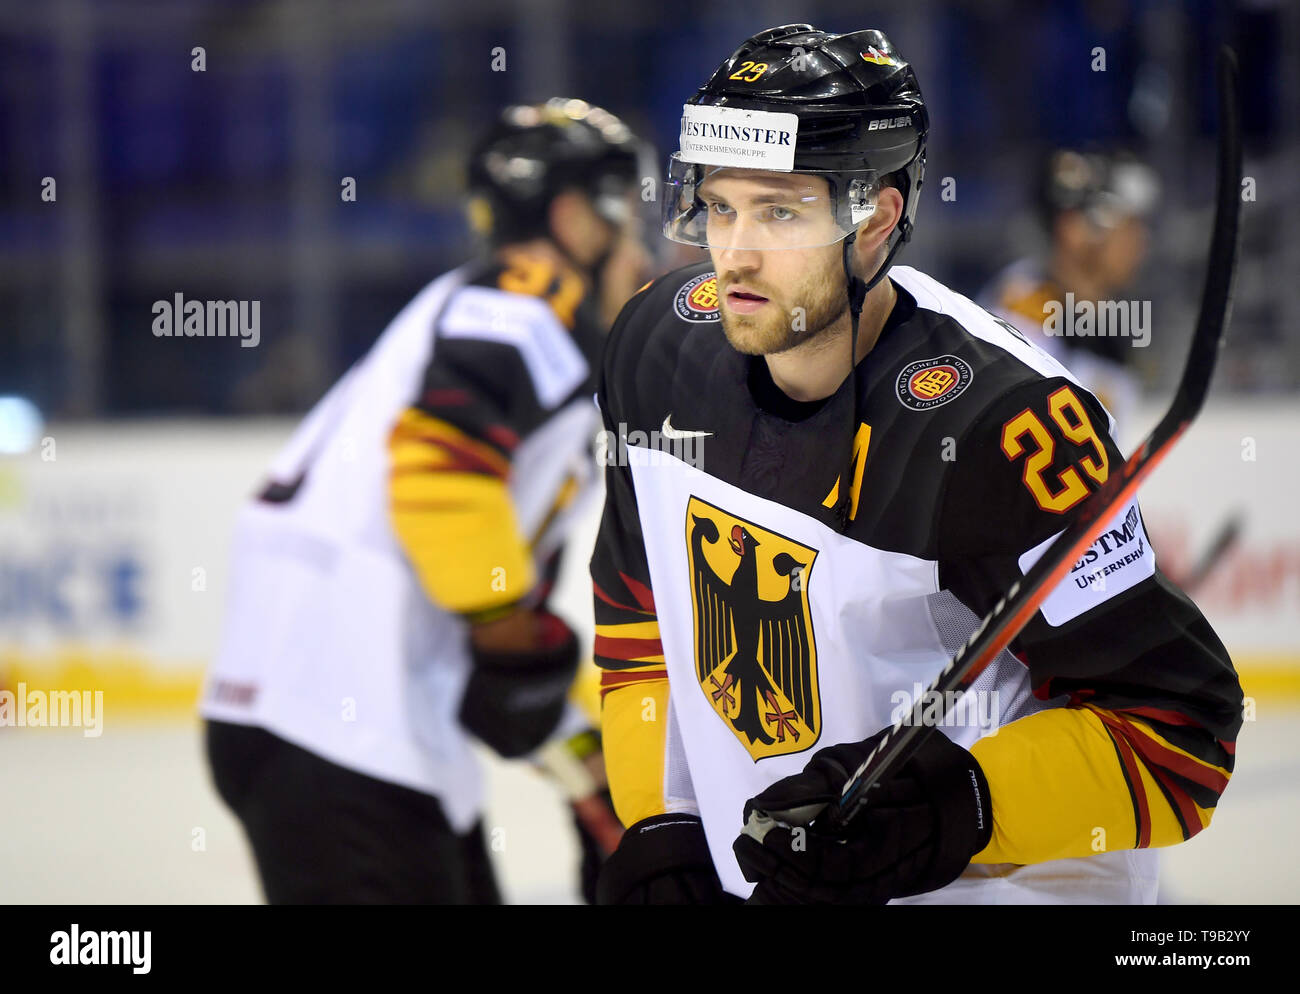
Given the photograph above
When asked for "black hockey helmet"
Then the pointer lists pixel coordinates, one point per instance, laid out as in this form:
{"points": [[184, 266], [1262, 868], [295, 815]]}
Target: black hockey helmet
{"points": [[859, 121], [1105, 185], [533, 152]]}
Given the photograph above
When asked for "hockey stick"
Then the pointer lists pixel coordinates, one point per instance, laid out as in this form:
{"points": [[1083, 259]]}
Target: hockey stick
{"points": [[582, 791], [1224, 539], [1014, 610]]}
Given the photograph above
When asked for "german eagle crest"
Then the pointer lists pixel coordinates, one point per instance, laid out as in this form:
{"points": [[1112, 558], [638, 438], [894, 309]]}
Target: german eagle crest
{"points": [[755, 654]]}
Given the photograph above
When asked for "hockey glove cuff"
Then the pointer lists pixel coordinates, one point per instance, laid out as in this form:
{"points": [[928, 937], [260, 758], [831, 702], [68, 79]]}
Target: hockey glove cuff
{"points": [[662, 860]]}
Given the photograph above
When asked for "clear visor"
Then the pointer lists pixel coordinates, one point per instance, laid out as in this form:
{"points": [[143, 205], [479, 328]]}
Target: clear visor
{"points": [[724, 207]]}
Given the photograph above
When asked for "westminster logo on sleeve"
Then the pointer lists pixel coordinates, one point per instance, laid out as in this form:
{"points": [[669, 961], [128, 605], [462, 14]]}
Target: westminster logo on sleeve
{"points": [[755, 651], [1121, 557]]}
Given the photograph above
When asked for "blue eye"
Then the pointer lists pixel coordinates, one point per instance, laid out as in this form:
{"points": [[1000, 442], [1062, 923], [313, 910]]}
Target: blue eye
{"points": [[719, 209], [785, 213]]}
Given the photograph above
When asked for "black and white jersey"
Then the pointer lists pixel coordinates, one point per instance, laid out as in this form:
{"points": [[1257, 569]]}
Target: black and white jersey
{"points": [[433, 486], [740, 630]]}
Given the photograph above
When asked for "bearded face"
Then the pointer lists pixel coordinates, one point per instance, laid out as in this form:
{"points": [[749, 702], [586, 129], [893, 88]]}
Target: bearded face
{"points": [[774, 293], [783, 301]]}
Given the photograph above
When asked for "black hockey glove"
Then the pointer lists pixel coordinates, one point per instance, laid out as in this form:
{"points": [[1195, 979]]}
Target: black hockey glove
{"points": [[662, 860], [515, 700], [917, 833]]}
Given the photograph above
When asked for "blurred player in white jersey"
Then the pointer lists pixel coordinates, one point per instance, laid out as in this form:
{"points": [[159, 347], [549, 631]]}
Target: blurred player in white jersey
{"points": [[389, 584], [1095, 209]]}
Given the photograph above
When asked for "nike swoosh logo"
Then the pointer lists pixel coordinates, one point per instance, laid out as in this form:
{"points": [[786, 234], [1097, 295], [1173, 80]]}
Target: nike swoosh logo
{"points": [[668, 431]]}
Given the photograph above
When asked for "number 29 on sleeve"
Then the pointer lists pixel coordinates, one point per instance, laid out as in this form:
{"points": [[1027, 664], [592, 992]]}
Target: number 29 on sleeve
{"points": [[1026, 435]]}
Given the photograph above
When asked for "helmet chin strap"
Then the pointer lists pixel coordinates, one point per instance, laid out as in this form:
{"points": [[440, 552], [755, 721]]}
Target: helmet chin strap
{"points": [[858, 290]]}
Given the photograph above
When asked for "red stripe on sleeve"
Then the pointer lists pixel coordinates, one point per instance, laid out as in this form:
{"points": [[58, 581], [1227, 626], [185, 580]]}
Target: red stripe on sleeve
{"points": [[613, 679], [641, 592], [1186, 806], [613, 603], [450, 397], [1158, 714], [1176, 762], [503, 436], [1134, 779], [627, 649]]}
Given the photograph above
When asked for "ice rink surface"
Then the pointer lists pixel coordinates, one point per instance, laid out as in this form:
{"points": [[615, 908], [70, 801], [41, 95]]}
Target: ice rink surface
{"points": [[131, 817]]}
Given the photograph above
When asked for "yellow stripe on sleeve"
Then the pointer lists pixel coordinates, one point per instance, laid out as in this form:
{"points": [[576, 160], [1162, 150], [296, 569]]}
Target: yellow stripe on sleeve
{"points": [[634, 731], [1059, 790], [457, 527]]}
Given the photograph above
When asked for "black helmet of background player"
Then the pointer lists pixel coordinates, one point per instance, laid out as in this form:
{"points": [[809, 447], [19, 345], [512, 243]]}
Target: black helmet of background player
{"points": [[534, 152], [1105, 187], [1096, 208], [858, 122]]}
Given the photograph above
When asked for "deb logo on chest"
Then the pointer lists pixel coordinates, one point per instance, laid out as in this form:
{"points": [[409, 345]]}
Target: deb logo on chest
{"points": [[755, 649]]}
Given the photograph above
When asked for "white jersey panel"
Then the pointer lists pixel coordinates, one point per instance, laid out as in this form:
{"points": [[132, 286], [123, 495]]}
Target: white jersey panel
{"points": [[870, 617], [1130, 876], [329, 640], [881, 626]]}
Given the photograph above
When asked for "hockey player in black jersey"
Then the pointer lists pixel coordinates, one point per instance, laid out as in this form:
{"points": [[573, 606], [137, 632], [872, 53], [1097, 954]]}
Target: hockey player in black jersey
{"points": [[794, 542]]}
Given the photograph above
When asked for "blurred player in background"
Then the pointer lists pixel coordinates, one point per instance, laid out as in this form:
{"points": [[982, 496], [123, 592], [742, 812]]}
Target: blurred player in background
{"points": [[1095, 209], [388, 588]]}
